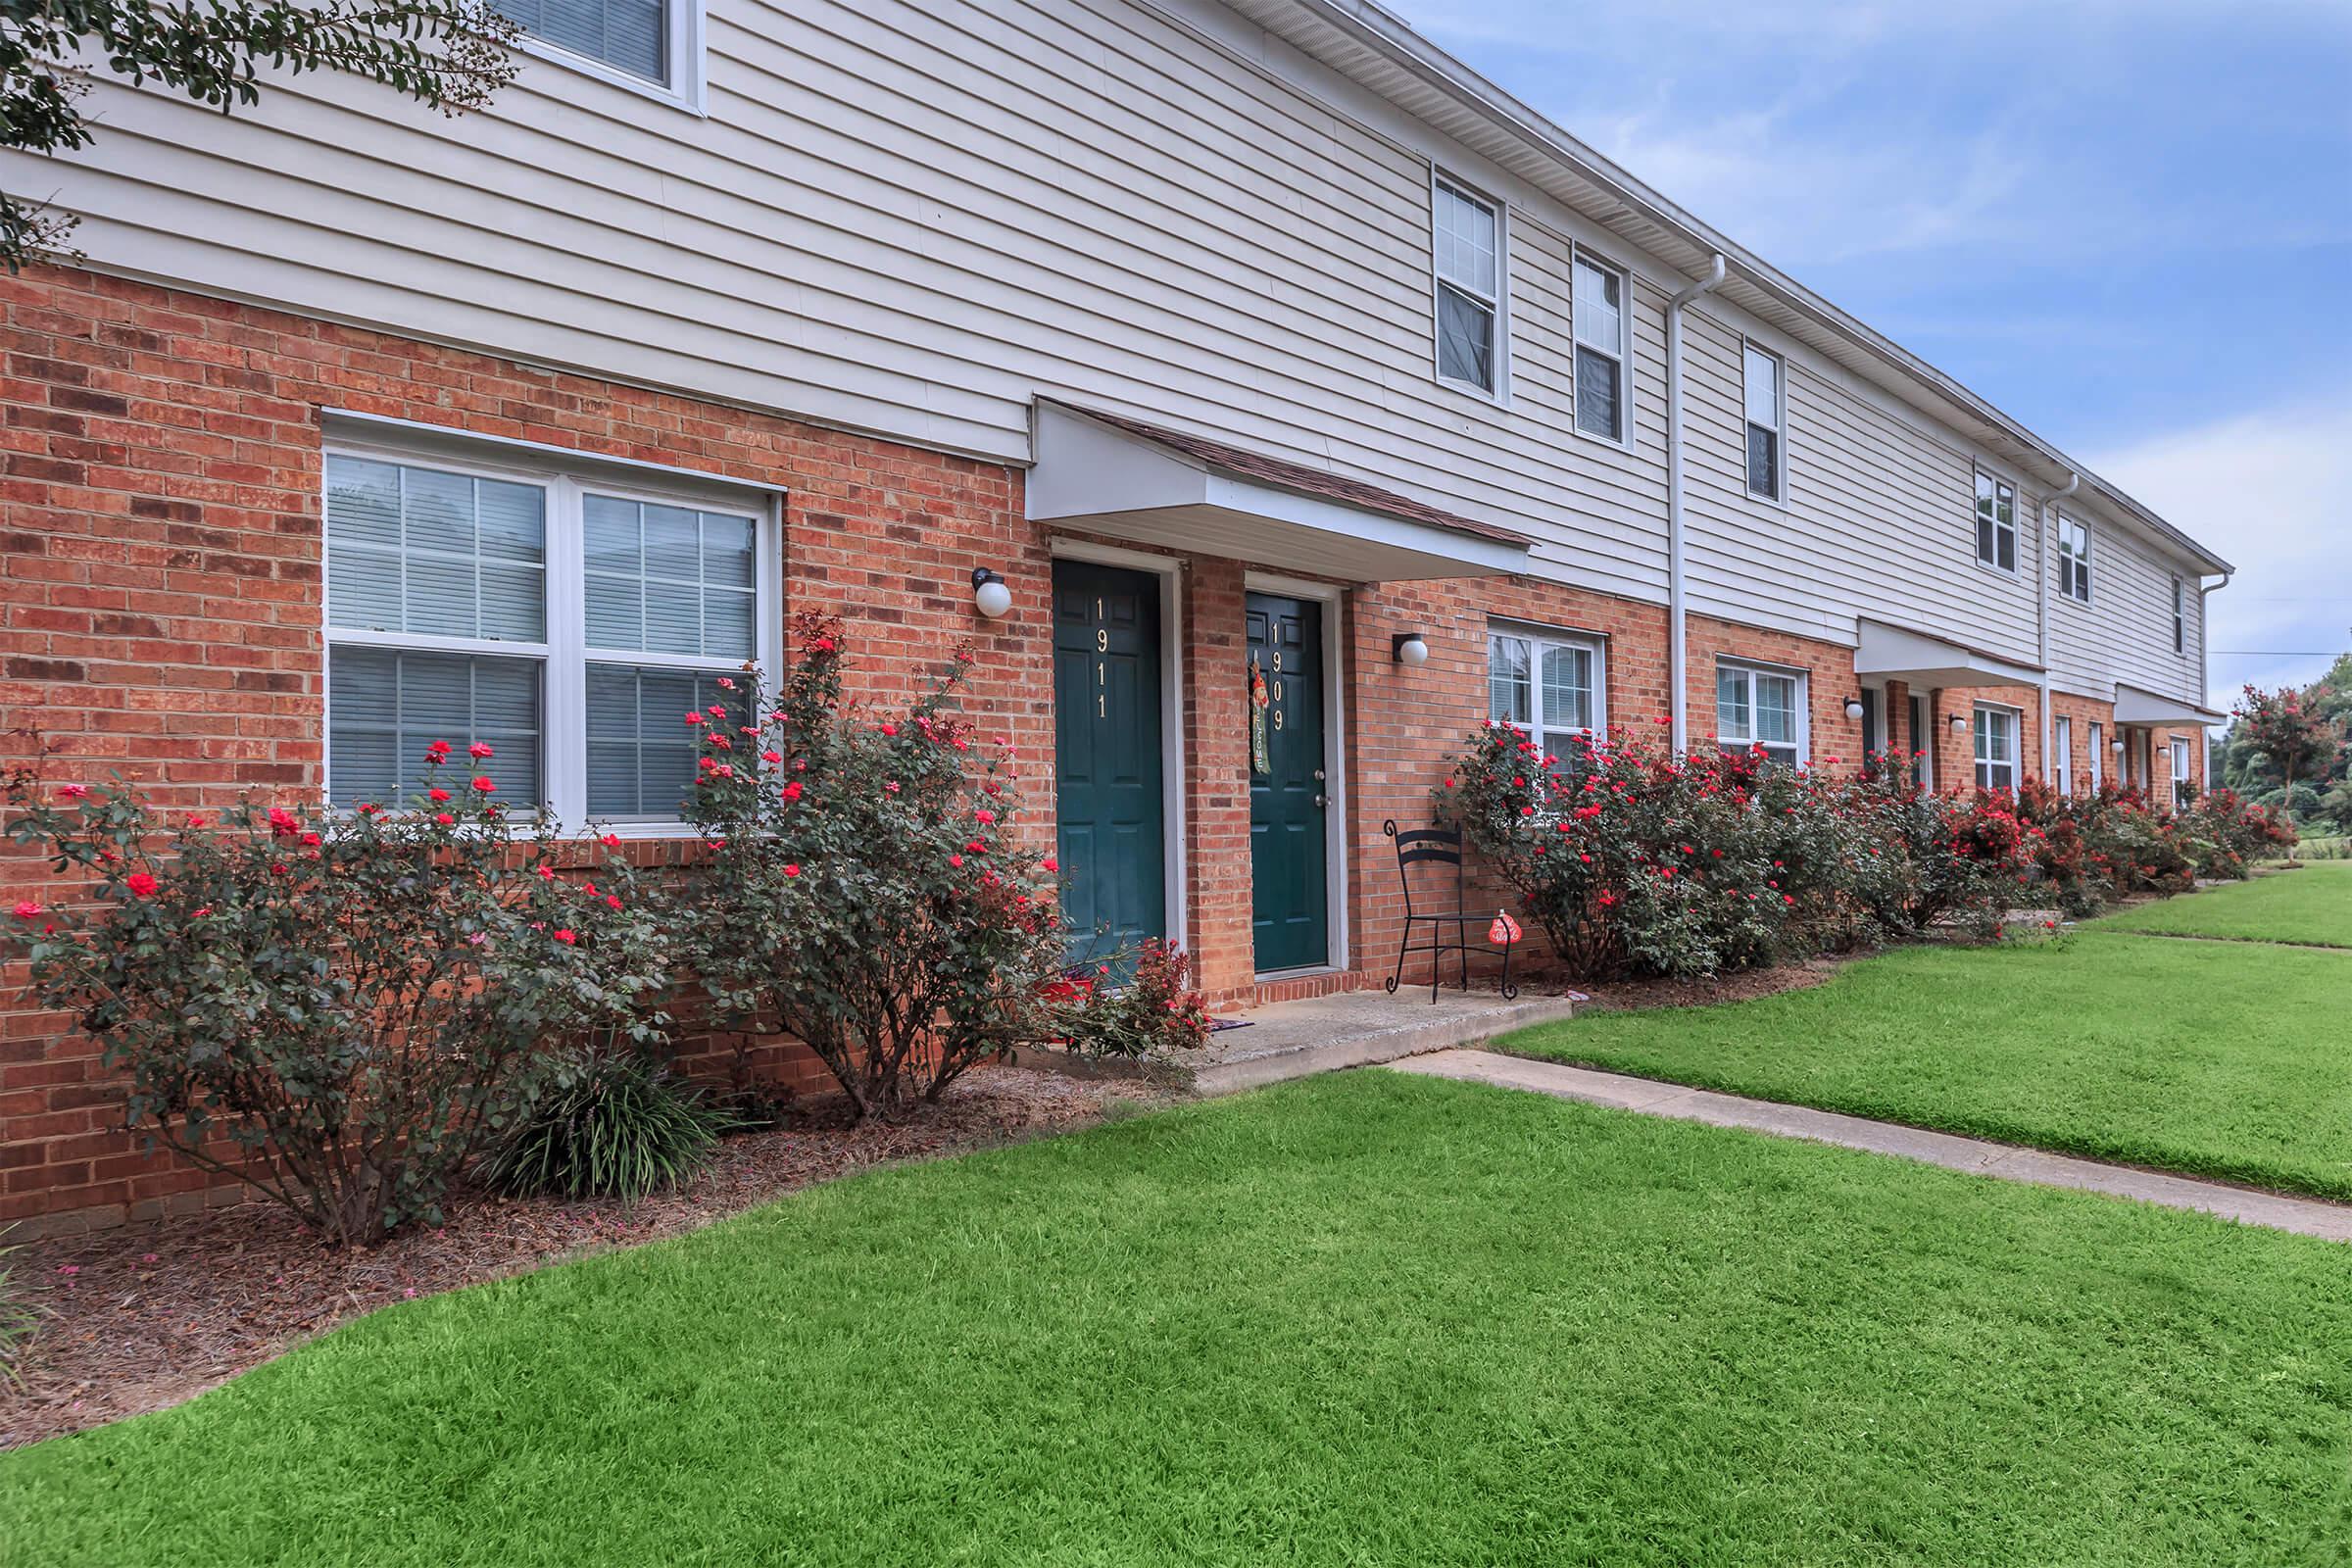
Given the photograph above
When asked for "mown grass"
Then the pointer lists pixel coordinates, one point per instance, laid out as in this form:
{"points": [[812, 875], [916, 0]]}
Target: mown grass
{"points": [[2223, 1059], [2311, 905], [1367, 1319]]}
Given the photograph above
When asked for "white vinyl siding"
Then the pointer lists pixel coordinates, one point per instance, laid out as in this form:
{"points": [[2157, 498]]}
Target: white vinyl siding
{"points": [[1997, 748], [1766, 424], [1598, 315], [2073, 559], [1996, 522], [569, 622], [1552, 685], [1760, 712], [1467, 246]]}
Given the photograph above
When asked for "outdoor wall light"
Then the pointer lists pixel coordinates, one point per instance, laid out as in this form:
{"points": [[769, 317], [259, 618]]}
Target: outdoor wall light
{"points": [[2116, 746], [1408, 649], [1853, 707], [989, 595], [1959, 723]]}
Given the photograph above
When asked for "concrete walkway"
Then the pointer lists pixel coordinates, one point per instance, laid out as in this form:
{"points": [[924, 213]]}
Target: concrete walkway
{"points": [[2306, 1217]]}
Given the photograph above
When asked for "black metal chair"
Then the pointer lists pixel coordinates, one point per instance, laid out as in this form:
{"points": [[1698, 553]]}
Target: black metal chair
{"points": [[1441, 847]]}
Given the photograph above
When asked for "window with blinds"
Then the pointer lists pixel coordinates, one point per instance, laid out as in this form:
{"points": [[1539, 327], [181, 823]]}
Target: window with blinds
{"points": [[1550, 686], [1760, 712], [567, 624], [630, 35]]}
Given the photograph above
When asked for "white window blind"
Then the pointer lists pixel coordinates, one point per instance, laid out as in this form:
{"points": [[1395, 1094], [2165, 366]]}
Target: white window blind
{"points": [[1551, 687], [630, 35], [1759, 708]]}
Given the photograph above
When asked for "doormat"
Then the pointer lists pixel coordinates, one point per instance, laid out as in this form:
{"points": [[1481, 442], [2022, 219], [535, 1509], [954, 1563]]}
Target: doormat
{"points": [[1220, 1025]]}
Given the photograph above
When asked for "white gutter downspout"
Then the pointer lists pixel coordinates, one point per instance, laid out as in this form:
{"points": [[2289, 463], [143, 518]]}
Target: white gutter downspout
{"points": [[1677, 653], [2042, 561], [2205, 595]]}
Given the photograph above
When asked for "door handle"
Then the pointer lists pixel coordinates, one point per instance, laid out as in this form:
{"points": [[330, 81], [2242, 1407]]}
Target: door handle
{"points": [[1320, 803]]}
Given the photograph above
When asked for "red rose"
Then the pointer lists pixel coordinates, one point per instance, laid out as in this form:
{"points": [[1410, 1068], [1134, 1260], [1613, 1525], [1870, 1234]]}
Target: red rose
{"points": [[565, 936], [484, 784], [480, 750], [444, 818], [792, 870], [436, 796], [140, 884]]}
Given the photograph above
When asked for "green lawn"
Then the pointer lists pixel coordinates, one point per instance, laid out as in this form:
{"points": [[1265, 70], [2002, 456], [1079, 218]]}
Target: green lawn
{"points": [[2217, 1059], [1367, 1319], [2313, 904]]}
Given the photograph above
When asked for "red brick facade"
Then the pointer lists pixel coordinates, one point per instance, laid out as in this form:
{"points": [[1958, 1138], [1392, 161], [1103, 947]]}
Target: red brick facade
{"points": [[161, 536]]}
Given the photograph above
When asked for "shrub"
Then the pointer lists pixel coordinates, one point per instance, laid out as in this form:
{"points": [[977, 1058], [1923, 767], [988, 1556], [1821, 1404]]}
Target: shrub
{"points": [[18, 1320], [861, 890], [333, 1009], [1155, 1013], [619, 1125]]}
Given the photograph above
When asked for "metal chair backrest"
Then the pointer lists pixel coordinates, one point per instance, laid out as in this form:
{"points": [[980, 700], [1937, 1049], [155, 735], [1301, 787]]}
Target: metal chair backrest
{"points": [[1439, 846]]}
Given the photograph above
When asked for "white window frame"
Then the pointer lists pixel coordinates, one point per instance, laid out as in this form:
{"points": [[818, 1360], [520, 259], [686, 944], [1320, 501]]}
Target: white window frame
{"points": [[1999, 486], [2073, 559], [1985, 764], [686, 87], [1622, 350], [1803, 699], [1539, 639], [563, 655], [2178, 765], [1779, 494], [2063, 743], [2098, 756], [1499, 359]]}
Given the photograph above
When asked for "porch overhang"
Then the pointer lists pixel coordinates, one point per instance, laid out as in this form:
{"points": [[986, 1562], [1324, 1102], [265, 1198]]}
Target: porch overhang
{"points": [[1126, 480], [1896, 653], [2137, 708]]}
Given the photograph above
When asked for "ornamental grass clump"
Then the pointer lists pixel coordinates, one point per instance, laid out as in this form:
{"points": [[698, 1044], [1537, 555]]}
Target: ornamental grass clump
{"points": [[620, 1126], [860, 889], [335, 1009]]}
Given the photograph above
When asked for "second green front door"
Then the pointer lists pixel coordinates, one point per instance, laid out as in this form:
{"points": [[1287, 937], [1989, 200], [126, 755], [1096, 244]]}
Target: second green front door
{"points": [[1289, 793]]}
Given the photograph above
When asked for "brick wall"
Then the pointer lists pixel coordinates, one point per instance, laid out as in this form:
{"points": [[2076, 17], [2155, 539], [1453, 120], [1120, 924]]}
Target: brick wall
{"points": [[160, 536]]}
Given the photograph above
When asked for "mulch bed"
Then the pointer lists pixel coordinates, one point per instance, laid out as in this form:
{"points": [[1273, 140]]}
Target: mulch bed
{"points": [[1627, 995], [145, 1317]]}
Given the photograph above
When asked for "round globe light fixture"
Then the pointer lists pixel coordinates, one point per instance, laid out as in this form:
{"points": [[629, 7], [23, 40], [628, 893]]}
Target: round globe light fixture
{"points": [[989, 595], [1409, 649], [1853, 707]]}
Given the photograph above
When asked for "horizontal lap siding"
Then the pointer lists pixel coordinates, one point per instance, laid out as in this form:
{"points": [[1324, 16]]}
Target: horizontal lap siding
{"points": [[2126, 632]]}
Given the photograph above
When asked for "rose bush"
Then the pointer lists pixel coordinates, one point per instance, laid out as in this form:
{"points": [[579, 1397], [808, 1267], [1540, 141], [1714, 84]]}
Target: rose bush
{"points": [[860, 889], [1153, 1013], [335, 1009]]}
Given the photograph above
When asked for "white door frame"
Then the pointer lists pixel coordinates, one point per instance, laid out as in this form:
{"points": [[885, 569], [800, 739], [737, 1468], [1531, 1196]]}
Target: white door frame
{"points": [[1335, 839], [1169, 569]]}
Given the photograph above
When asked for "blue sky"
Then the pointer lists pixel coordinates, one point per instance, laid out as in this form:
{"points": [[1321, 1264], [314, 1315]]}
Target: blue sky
{"points": [[2128, 222]]}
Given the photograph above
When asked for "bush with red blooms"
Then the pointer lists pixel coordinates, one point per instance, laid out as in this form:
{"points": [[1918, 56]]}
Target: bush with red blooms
{"points": [[1635, 861], [1141, 1008], [860, 889], [335, 1009], [2113, 841]]}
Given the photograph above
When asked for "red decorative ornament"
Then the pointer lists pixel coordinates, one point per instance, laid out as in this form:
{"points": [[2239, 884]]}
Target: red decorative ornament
{"points": [[1504, 931]]}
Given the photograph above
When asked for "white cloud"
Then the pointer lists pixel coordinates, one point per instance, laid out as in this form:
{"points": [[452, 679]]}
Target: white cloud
{"points": [[2272, 491]]}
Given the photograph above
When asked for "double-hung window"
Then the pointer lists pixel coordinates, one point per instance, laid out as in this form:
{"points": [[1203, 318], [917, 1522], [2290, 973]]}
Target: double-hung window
{"points": [[1550, 684], [648, 45], [1996, 522], [1767, 425], [2064, 746], [1760, 713], [1468, 241], [1601, 319], [2179, 616], [566, 621], [2098, 756], [2073, 559], [1997, 748], [2184, 787]]}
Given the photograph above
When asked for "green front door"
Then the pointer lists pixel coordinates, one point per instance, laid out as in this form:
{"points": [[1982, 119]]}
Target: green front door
{"points": [[1109, 813], [1289, 897]]}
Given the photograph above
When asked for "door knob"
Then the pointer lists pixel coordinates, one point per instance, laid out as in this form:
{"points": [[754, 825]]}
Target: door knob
{"points": [[1320, 803], [1318, 775]]}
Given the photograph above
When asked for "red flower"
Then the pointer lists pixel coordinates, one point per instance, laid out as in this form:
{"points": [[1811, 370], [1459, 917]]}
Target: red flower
{"points": [[437, 750], [792, 790], [28, 910], [792, 870], [613, 900], [73, 791], [565, 936], [955, 861], [984, 817], [140, 884], [200, 821], [436, 795], [484, 784], [1051, 863], [282, 822], [694, 718], [310, 841], [444, 818], [771, 757], [480, 750], [611, 841]]}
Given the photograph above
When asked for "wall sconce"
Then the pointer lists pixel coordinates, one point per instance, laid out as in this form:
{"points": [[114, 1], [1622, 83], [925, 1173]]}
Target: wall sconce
{"points": [[989, 595], [2116, 746], [1408, 649], [1959, 723], [1853, 707]]}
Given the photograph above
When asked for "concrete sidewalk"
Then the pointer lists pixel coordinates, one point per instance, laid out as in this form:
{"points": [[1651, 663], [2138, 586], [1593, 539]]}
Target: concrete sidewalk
{"points": [[2305, 1216]]}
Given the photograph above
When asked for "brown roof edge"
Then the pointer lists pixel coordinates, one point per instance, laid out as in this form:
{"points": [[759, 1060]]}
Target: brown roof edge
{"points": [[1319, 484]]}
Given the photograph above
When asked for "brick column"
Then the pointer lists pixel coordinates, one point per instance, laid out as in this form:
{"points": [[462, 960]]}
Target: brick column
{"points": [[1216, 785]]}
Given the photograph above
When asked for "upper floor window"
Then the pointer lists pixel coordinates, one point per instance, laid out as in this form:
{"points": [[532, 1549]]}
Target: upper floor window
{"points": [[1468, 239], [1760, 712], [637, 43], [568, 624], [2073, 559], [1997, 748], [1599, 318], [1996, 522], [1767, 425], [1551, 685], [2179, 616]]}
